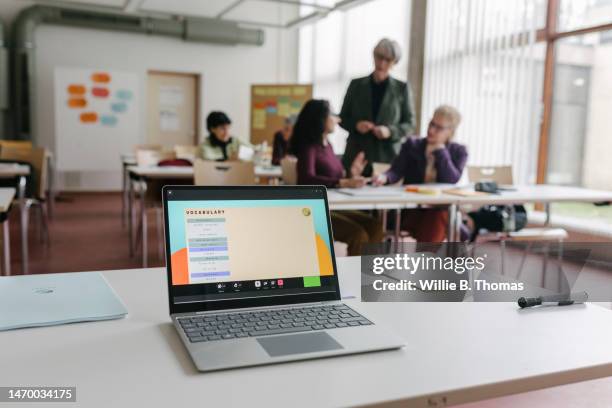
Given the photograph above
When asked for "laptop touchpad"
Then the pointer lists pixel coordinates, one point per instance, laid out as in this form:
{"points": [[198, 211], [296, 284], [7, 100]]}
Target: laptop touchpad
{"points": [[277, 346]]}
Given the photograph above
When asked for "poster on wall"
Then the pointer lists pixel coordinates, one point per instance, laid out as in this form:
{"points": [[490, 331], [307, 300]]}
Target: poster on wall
{"points": [[96, 117]]}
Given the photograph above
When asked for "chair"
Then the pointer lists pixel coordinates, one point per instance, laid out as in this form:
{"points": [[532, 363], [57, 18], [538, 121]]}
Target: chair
{"points": [[17, 144], [186, 152], [380, 168], [229, 173], [289, 170], [502, 175], [35, 192]]}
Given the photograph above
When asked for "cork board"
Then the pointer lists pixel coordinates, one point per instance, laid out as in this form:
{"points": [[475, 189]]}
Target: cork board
{"points": [[271, 104]]}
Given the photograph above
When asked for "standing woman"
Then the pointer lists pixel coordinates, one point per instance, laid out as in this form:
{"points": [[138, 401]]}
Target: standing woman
{"points": [[317, 164], [377, 110]]}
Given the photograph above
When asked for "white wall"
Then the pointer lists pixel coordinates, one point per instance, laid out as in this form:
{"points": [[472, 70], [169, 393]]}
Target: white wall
{"points": [[226, 71]]}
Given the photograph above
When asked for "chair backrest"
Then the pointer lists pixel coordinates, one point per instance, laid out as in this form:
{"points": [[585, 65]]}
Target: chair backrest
{"points": [[37, 158], [17, 144], [498, 174], [380, 168], [289, 170], [228, 173], [186, 152], [147, 147], [149, 158]]}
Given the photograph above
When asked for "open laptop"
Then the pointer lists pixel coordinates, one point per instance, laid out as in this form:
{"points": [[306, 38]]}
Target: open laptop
{"points": [[252, 278]]}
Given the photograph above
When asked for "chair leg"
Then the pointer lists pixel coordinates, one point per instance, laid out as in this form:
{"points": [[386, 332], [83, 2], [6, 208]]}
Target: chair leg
{"points": [[502, 247], [545, 265], [145, 239], [25, 223], [523, 259], [45, 210]]}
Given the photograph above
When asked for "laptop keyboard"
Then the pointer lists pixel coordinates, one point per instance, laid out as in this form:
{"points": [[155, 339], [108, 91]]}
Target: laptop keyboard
{"points": [[268, 322]]}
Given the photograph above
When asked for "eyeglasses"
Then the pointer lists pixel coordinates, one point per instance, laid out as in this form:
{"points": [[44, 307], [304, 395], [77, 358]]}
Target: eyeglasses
{"points": [[382, 57], [438, 128]]}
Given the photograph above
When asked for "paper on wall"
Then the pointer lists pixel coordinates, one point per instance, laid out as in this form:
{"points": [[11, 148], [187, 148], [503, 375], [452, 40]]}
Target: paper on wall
{"points": [[171, 95], [169, 120]]}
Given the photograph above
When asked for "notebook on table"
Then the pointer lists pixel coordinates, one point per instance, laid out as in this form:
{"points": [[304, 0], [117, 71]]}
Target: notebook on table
{"points": [[53, 299]]}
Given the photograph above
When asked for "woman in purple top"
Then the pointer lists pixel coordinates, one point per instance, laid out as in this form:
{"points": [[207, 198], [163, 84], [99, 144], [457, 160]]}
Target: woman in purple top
{"points": [[317, 164], [432, 159]]}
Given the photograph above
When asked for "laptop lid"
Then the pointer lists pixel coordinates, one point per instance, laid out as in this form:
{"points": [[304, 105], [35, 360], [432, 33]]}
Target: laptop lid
{"points": [[248, 246]]}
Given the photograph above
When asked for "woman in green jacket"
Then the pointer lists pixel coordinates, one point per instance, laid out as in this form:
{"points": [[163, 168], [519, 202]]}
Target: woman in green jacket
{"points": [[377, 110]]}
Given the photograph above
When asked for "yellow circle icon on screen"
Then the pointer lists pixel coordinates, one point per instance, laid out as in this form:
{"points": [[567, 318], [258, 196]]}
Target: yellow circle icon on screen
{"points": [[306, 211]]}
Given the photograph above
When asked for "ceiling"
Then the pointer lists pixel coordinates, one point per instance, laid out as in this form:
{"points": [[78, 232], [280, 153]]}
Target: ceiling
{"points": [[263, 13]]}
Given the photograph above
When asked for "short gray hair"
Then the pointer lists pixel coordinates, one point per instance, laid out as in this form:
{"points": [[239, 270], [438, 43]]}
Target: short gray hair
{"points": [[449, 113], [389, 49]]}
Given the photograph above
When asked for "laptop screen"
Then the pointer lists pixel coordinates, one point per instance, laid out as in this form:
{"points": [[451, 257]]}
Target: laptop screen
{"points": [[248, 246]]}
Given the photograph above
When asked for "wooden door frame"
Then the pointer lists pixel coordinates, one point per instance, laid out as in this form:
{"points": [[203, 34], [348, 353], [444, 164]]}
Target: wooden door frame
{"points": [[198, 78]]}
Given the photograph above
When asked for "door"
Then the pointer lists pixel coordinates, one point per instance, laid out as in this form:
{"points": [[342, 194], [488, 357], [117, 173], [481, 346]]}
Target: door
{"points": [[172, 108]]}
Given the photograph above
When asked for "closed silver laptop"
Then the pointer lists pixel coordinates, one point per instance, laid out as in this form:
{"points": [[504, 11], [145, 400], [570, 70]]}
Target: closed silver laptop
{"points": [[252, 278]]}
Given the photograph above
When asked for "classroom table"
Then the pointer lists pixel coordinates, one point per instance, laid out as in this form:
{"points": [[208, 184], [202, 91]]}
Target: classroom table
{"points": [[20, 172], [537, 193], [455, 353], [143, 174], [7, 194]]}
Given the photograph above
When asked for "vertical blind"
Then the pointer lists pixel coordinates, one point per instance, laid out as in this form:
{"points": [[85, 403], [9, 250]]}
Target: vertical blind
{"points": [[339, 48], [481, 56]]}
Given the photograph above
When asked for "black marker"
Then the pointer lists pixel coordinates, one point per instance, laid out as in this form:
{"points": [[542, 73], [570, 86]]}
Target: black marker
{"points": [[554, 300]]}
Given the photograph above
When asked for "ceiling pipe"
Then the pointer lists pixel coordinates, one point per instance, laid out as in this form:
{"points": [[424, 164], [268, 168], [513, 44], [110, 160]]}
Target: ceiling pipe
{"points": [[192, 29]]}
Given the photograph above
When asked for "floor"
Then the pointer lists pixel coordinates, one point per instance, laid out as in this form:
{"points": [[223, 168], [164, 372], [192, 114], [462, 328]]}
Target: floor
{"points": [[86, 234]]}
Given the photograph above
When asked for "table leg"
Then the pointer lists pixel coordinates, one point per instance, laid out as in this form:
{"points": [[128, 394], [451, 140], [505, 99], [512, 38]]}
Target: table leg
{"points": [[24, 215], [143, 218], [124, 194], [6, 245], [51, 185], [398, 228], [130, 213], [547, 211], [452, 232]]}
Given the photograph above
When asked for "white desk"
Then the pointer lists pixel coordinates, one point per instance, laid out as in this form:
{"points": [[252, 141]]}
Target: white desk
{"points": [[6, 198], [540, 193], [186, 172], [461, 351]]}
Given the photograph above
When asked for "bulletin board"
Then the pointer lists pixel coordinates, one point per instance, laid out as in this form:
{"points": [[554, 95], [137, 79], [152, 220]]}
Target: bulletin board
{"points": [[271, 104], [97, 117]]}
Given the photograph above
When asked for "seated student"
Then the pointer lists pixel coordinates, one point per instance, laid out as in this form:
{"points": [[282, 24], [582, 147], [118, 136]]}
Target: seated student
{"points": [[281, 140], [219, 145], [432, 159], [317, 164]]}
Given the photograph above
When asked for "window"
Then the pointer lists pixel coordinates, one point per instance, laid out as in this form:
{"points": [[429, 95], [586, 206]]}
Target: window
{"points": [[482, 58], [576, 14], [339, 48], [580, 140]]}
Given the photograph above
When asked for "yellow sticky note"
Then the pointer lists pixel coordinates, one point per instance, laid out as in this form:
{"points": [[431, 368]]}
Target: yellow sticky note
{"points": [[259, 119], [259, 91], [299, 90], [284, 91], [284, 108]]}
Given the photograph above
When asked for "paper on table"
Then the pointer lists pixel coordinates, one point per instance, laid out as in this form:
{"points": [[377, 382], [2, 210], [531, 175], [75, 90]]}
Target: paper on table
{"points": [[245, 153], [368, 191]]}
